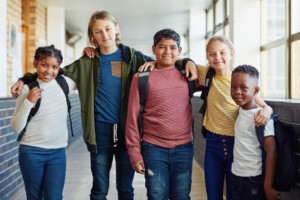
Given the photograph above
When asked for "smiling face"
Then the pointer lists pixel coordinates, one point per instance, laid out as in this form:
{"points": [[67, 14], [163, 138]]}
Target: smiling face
{"points": [[105, 32], [219, 56], [243, 89], [166, 52], [47, 68]]}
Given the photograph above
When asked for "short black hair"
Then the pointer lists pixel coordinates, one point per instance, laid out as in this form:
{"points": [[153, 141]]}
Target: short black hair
{"points": [[247, 69], [48, 51], [167, 34]]}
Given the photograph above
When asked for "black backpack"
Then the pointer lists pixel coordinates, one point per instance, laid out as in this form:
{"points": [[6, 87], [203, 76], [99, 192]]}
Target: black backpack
{"points": [[143, 91], [208, 81], [286, 167], [64, 86]]}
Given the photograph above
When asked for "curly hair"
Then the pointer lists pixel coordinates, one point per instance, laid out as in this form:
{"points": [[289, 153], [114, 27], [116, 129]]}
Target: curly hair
{"points": [[247, 69]]}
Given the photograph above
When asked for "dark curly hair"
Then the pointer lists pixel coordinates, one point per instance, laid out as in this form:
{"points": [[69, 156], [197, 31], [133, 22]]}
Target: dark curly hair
{"points": [[247, 69]]}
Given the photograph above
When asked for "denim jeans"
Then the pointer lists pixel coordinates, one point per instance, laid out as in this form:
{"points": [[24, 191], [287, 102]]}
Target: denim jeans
{"points": [[43, 172], [247, 188], [168, 172], [102, 160], [217, 165]]}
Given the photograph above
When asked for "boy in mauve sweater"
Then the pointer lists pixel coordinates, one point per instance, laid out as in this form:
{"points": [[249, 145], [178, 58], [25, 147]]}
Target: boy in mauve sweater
{"points": [[165, 152]]}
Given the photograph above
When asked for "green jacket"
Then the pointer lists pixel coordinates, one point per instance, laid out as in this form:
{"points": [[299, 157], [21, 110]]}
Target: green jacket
{"points": [[85, 73]]}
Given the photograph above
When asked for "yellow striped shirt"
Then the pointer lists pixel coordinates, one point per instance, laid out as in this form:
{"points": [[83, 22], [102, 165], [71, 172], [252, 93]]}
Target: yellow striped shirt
{"points": [[221, 111]]}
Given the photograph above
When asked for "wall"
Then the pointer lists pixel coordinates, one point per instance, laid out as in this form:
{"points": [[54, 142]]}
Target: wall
{"points": [[287, 111], [10, 176]]}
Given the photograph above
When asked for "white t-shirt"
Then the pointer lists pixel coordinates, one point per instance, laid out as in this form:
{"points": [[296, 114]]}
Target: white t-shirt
{"points": [[48, 128], [247, 156]]}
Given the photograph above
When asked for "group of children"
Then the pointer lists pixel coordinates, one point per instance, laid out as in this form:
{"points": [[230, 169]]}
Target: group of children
{"points": [[109, 96]]}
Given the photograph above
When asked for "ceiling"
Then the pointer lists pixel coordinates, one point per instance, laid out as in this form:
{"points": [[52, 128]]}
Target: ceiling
{"points": [[139, 19]]}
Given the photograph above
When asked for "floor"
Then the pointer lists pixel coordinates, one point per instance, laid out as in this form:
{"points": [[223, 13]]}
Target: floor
{"points": [[79, 179]]}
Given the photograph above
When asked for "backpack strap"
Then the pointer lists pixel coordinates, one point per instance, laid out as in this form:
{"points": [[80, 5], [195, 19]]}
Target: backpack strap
{"points": [[65, 87], [33, 110], [208, 81], [260, 134], [143, 91]]}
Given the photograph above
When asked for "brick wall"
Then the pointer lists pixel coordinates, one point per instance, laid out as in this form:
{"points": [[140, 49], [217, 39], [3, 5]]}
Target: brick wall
{"points": [[287, 111], [10, 176]]}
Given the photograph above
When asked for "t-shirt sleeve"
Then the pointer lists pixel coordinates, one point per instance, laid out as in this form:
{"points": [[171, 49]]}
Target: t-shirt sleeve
{"points": [[269, 128]]}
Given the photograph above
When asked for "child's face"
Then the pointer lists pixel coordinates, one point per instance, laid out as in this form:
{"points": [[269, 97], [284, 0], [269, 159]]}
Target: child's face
{"points": [[243, 90], [219, 55], [166, 52], [104, 33], [47, 68]]}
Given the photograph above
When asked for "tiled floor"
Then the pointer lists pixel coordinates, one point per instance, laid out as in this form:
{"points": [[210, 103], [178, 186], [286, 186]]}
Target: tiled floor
{"points": [[79, 179]]}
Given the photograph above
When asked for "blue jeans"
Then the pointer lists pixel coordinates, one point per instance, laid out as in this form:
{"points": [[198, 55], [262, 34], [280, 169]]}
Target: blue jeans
{"points": [[168, 172], [43, 172], [217, 165], [102, 160], [247, 188]]}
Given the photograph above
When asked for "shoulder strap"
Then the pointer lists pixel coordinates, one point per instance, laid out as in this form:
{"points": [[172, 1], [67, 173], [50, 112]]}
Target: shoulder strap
{"points": [[33, 110], [143, 91], [65, 87], [260, 133], [208, 81]]}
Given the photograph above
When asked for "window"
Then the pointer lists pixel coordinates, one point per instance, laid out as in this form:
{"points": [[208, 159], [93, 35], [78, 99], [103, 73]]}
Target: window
{"points": [[217, 16], [273, 73], [219, 7], [295, 17], [280, 50], [295, 58], [273, 20]]}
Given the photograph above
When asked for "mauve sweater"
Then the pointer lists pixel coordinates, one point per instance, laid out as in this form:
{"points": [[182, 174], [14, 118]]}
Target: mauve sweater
{"points": [[167, 119]]}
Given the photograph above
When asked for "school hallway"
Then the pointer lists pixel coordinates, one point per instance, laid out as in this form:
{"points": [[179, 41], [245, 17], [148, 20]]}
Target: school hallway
{"points": [[79, 179]]}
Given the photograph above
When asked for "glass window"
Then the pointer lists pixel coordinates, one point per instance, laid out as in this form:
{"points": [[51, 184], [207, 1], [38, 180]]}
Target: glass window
{"points": [[219, 12], [295, 16], [295, 69], [273, 73], [273, 20], [227, 8], [210, 23]]}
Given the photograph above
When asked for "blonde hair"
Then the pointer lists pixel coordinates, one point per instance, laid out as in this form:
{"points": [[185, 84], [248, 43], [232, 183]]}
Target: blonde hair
{"points": [[223, 39], [102, 15]]}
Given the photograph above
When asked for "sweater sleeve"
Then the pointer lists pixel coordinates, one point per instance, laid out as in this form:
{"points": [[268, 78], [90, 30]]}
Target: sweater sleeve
{"points": [[22, 110], [132, 130]]}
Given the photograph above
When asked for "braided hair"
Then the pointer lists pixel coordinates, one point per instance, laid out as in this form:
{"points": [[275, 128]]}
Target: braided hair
{"points": [[48, 51]]}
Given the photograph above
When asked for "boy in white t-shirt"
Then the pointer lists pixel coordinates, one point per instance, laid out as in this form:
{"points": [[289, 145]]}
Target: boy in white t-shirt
{"points": [[247, 179]]}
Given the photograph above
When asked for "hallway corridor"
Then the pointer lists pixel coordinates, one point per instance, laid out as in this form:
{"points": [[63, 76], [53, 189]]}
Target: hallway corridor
{"points": [[79, 179]]}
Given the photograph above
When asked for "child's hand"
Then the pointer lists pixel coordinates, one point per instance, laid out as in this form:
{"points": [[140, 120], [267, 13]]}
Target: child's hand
{"points": [[271, 194], [34, 94], [262, 116], [16, 88], [146, 65], [89, 51], [191, 71], [139, 166]]}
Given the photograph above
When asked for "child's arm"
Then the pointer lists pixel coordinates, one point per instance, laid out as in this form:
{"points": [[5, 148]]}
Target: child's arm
{"points": [[24, 103], [262, 116], [271, 155]]}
